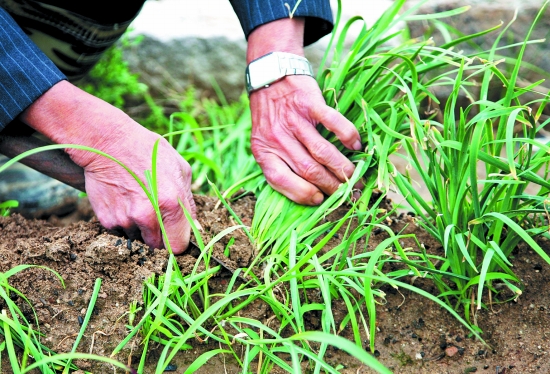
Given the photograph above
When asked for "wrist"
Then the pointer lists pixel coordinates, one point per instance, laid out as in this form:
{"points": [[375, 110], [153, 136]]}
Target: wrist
{"points": [[283, 35], [66, 114]]}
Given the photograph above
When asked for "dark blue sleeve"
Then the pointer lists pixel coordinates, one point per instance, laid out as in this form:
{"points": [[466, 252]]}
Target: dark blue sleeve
{"points": [[25, 72], [254, 13]]}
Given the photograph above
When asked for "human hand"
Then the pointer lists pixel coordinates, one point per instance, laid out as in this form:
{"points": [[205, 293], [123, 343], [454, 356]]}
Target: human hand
{"points": [[68, 115], [296, 160]]}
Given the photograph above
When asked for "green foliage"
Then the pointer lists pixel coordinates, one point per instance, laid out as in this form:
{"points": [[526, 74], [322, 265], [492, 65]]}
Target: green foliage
{"points": [[215, 139], [480, 219], [19, 332], [6, 206], [110, 79]]}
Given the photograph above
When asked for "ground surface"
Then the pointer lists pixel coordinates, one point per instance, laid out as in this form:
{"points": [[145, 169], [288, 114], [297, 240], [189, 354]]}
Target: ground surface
{"points": [[415, 336]]}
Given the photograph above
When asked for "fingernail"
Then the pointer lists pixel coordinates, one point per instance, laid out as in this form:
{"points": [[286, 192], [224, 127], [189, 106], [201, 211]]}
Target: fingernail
{"points": [[357, 145], [318, 198]]}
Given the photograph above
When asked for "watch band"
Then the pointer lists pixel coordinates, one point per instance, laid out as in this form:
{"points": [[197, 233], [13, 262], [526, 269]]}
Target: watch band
{"points": [[274, 66], [294, 64]]}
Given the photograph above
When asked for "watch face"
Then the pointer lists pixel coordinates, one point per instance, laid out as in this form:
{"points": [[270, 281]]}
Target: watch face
{"points": [[264, 71]]}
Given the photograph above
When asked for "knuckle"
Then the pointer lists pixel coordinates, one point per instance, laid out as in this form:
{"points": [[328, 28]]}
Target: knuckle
{"points": [[277, 180], [192, 206], [311, 171], [257, 151], [170, 208], [321, 151], [347, 134], [348, 171], [167, 202]]}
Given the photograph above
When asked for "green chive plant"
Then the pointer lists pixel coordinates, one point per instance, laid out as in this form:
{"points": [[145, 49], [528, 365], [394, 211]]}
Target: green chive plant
{"points": [[216, 142], [378, 86], [379, 89], [480, 219], [22, 337], [6, 206], [180, 309]]}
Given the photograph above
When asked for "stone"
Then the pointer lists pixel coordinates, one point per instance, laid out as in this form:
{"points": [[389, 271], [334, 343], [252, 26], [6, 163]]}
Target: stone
{"points": [[38, 195], [451, 351]]}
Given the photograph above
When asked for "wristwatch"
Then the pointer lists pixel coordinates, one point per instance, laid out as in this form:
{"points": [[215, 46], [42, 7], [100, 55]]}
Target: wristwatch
{"points": [[274, 66]]}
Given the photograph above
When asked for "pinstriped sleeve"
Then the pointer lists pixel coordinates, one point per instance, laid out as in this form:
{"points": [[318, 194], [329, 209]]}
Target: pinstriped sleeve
{"points": [[254, 13], [25, 72]]}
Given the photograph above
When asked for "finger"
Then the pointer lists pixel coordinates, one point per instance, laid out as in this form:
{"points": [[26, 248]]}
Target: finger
{"points": [[335, 122], [152, 236], [284, 180], [326, 153], [299, 159], [145, 219]]}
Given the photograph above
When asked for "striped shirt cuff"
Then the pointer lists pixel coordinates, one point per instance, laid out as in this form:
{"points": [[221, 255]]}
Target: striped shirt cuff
{"points": [[25, 72], [254, 13]]}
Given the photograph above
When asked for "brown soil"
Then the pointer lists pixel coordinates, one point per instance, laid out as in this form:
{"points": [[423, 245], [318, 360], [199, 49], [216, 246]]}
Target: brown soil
{"points": [[414, 335]]}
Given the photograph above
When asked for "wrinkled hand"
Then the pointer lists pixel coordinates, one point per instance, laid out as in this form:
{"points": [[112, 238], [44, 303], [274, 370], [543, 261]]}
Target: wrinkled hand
{"points": [[118, 200], [68, 115], [296, 160]]}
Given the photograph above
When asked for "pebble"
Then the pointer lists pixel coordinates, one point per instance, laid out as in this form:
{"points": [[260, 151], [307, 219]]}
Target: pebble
{"points": [[171, 367], [103, 295], [451, 351], [129, 244], [418, 356], [118, 242], [80, 320]]}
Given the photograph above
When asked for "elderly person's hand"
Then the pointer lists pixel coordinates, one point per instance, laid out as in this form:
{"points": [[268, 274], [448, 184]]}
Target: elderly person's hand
{"points": [[296, 160], [68, 115]]}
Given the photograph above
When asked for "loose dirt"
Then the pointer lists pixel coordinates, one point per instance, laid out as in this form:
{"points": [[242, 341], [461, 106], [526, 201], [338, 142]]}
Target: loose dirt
{"points": [[414, 335]]}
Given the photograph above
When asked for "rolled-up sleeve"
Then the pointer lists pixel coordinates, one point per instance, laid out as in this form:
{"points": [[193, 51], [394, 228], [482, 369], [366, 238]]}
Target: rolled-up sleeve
{"points": [[254, 13], [25, 72]]}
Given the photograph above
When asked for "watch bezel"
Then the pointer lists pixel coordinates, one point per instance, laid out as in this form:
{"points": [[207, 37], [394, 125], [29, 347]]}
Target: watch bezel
{"points": [[268, 63]]}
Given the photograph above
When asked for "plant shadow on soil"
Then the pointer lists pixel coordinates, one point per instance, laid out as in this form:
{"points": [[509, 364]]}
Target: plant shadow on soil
{"points": [[414, 335]]}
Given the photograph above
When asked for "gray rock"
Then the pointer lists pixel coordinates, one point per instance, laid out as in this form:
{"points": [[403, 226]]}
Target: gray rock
{"points": [[38, 195], [177, 64]]}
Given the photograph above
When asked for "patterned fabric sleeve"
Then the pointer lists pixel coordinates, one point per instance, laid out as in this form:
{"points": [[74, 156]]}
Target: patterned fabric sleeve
{"points": [[25, 72], [253, 13]]}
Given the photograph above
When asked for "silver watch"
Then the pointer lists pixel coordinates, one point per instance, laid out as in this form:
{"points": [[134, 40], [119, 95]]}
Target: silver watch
{"points": [[274, 66]]}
